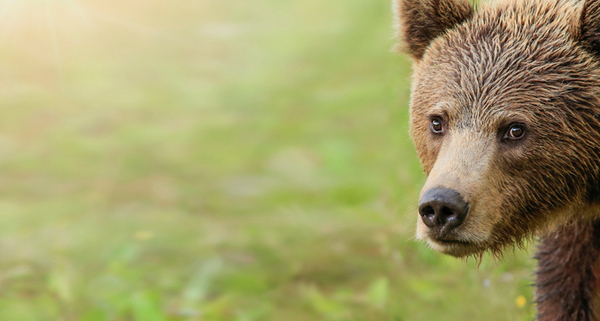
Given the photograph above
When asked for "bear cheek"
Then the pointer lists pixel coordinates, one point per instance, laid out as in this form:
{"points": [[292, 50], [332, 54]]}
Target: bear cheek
{"points": [[517, 202], [426, 145], [428, 156]]}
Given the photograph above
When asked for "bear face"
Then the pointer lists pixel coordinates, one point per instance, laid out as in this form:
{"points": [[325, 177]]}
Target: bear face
{"points": [[505, 117]]}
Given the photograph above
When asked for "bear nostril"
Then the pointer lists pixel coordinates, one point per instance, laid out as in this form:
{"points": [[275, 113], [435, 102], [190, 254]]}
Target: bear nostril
{"points": [[428, 210], [443, 209], [446, 215], [428, 215]]}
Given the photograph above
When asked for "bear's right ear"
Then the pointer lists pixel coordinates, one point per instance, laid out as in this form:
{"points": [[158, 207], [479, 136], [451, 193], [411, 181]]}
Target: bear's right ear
{"points": [[421, 21], [589, 28]]}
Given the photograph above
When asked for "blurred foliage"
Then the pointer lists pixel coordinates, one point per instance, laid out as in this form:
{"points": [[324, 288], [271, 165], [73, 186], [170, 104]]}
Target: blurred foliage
{"points": [[219, 160]]}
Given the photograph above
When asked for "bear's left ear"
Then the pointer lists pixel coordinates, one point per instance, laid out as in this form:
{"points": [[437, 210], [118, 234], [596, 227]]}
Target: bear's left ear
{"points": [[589, 26], [421, 21]]}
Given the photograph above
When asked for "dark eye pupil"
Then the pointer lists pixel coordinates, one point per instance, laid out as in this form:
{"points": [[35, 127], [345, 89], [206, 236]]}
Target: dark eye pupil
{"points": [[516, 132], [436, 126]]}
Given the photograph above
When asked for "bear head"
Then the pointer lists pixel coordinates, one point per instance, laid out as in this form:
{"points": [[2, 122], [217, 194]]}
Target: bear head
{"points": [[505, 117]]}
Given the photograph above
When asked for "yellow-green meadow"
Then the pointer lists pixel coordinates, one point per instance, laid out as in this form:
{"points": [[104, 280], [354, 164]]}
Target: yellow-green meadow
{"points": [[219, 160]]}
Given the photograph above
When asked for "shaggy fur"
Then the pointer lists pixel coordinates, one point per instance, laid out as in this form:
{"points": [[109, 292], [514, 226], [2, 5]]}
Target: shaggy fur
{"points": [[532, 63], [429, 19], [568, 271]]}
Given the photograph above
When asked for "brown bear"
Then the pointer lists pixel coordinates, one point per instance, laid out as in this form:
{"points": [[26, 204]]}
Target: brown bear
{"points": [[505, 118]]}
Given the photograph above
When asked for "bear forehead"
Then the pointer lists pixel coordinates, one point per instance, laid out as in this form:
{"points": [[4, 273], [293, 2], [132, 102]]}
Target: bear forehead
{"points": [[518, 25], [516, 54]]}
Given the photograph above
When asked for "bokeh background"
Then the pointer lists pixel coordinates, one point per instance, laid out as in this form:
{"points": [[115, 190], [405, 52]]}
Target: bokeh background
{"points": [[219, 160]]}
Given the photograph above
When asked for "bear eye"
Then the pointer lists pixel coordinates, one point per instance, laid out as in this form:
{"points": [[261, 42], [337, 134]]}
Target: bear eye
{"points": [[515, 132], [437, 125]]}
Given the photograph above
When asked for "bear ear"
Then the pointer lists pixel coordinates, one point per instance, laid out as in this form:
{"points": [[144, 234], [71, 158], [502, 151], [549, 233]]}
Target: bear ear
{"points": [[589, 27], [421, 21]]}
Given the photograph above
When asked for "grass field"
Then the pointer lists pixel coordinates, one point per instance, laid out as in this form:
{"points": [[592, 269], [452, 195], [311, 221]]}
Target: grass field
{"points": [[219, 160]]}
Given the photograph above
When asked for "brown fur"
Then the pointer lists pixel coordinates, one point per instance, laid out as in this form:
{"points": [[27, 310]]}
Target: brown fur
{"points": [[535, 63], [429, 19], [590, 26], [567, 276]]}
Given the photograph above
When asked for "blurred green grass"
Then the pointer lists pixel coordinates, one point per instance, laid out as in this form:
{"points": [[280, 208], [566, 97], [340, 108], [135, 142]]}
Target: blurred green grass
{"points": [[219, 160]]}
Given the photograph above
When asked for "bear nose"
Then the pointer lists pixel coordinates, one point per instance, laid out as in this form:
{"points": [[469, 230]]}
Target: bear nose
{"points": [[443, 208]]}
